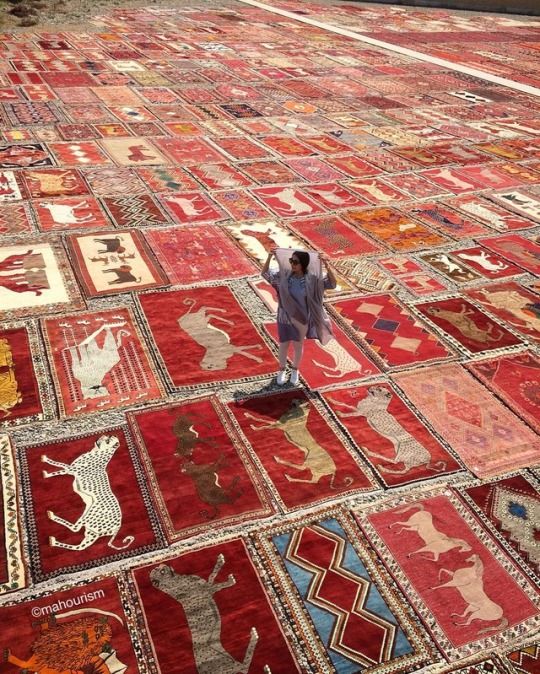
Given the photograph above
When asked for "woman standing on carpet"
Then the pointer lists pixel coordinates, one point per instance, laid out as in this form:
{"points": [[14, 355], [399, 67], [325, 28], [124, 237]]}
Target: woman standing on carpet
{"points": [[300, 286]]}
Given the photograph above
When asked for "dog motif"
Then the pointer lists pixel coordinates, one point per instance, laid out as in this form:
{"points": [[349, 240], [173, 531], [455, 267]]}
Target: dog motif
{"points": [[293, 423], [206, 479], [435, 542], [102, 515], [113, 245], [196, 596], [408, 451], [468, 581], [216, 342], [468, 328]]}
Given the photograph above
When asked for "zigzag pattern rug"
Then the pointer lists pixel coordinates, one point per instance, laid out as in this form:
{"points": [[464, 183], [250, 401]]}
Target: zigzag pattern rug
{"points": [[165, 507]]}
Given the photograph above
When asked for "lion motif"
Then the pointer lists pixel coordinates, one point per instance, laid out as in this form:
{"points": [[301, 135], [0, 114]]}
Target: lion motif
{"points": [[81, 646]]}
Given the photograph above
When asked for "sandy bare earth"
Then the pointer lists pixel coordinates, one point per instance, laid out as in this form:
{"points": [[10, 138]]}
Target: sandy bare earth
{"points": [[56, 15]]}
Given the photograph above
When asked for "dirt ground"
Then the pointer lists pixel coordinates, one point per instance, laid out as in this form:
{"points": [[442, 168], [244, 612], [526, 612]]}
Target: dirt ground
{"points": [[58, 15]]}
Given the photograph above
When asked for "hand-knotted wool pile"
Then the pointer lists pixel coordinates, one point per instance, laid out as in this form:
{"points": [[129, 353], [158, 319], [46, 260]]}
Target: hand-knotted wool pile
{"points": [[165, 507]]}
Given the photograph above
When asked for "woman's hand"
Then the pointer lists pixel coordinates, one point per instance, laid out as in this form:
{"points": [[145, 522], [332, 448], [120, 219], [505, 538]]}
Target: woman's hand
{"points": [[271, 253], [323, 257]]}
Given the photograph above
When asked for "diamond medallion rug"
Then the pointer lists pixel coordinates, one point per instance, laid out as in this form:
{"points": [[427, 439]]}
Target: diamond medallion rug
{"points": [[165, 506]]}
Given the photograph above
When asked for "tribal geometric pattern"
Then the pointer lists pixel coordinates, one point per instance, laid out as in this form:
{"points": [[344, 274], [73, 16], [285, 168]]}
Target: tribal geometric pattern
{"points": [[134, 211], [487, 436], [341, 600], [387, 328], [512, 508]]}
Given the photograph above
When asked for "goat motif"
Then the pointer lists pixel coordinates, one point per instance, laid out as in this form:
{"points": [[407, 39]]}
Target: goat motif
{"points": [[102, 515], [216, 342], [91, 363]]}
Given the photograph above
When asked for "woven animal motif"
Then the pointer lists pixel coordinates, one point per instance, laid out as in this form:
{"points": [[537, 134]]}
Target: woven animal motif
{"points": [[102, 515], [409, 452], [54, 184], [9, 386], [344, 363], [83, 644], [90, 363], [435, 542], [463, 322], [216, 342], [293, 423], [468, 581], [196, 596]]}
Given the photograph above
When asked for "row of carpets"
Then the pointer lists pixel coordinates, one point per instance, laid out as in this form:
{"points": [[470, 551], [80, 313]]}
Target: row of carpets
{"points": [[167, 507], [499, 45], [206, 464], [330, 591]]}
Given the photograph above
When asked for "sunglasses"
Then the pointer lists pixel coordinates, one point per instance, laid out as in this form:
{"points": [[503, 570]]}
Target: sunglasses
{"points": [[293, 260]]}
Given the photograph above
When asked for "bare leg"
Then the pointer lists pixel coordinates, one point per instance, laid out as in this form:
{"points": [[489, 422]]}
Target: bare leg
{"points": [[283, 350], [298, 352]]}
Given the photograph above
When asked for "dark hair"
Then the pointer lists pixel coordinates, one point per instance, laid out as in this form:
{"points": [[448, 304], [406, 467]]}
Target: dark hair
{"points": [[303, 258]]}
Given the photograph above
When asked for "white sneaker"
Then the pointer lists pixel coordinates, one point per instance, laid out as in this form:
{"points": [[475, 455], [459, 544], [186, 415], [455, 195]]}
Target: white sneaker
{"points": [[294, 377], [281, 378]]}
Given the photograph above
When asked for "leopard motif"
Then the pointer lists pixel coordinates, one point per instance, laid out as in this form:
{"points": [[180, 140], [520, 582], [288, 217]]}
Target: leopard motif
{"points": [[102, 515], [408, 451]]}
